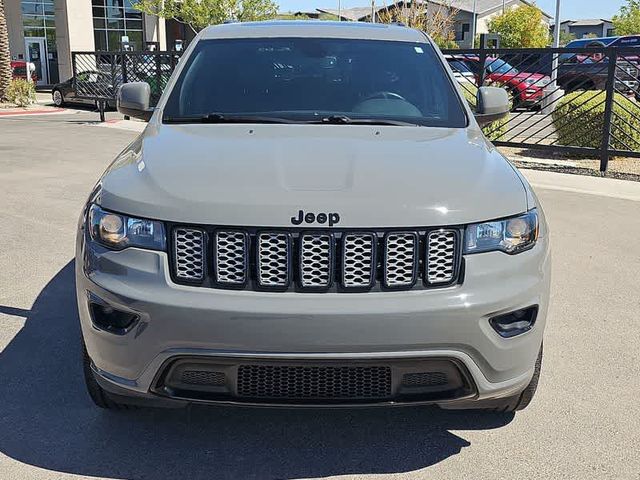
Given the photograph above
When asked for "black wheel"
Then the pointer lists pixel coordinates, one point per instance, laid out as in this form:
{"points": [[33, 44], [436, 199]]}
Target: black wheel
{"points": [[99, 396], [520, 401], [58, 98]]}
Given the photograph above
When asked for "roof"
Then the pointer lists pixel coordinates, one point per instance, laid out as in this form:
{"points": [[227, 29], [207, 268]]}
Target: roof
{"points": [[482, 7], [587, 22], [353, 14], [314, 28]]}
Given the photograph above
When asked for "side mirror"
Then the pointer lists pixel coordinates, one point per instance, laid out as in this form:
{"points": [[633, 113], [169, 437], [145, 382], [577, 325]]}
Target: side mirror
{"points": [[492, 104], [133, 100]]}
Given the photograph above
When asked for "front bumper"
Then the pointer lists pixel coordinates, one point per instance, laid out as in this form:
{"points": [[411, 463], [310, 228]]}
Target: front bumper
{"points": [[178, 321]]}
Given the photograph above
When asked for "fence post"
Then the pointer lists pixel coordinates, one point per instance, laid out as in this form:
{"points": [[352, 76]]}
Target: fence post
{"points": [[482, 61], [123, 62], [612, 55], [73, 69]]}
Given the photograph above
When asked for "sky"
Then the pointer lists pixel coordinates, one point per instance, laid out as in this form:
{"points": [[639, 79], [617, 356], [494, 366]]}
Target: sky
{"points": [[570, 9]]}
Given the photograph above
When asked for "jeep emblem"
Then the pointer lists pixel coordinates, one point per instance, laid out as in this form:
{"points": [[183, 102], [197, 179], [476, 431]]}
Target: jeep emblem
{"points": [[321, 218]]}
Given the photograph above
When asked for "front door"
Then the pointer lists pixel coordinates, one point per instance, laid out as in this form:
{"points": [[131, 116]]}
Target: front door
{"points": [[37, 54]]}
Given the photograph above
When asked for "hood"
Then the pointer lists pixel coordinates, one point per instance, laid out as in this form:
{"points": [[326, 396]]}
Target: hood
{"points": [[263, 175]]}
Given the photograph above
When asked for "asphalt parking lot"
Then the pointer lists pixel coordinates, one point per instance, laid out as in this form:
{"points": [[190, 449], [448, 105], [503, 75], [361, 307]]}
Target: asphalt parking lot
{"points": [[583, 424]]}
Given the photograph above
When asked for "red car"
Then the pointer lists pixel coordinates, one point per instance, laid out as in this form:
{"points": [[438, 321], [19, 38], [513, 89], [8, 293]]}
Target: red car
{"points": [[19, 70], [527, 88]]}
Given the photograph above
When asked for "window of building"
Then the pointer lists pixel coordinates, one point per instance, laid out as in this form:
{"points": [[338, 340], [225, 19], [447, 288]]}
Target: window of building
{"points": [[610, 32], [114, 19], [466, 28], [38, 21]]}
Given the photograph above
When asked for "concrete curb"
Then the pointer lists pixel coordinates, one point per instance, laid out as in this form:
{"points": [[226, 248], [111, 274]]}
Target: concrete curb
{"points": [[13, 113], [605, 187]]}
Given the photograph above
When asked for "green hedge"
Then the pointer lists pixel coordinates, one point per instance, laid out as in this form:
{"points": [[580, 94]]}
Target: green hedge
{"points": [[493, 131], [579, 121]]}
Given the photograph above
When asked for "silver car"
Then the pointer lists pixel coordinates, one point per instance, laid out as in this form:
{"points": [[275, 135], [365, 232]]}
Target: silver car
{"points": [[312, 217]]}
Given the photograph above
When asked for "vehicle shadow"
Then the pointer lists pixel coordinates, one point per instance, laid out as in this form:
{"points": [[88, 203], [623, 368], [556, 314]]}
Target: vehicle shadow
{"points": [[48, 421]]}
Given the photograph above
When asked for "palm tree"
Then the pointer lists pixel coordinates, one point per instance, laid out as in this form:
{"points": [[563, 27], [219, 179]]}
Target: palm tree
{"points": [[5, 57]]}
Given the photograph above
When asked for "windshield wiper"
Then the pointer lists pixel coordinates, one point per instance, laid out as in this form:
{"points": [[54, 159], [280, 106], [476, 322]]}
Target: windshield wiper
{"points": [[224, 118], [345, 120]]}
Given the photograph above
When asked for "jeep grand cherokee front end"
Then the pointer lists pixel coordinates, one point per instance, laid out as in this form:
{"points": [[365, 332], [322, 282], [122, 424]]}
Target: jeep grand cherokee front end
{"points": [[312, 217]]}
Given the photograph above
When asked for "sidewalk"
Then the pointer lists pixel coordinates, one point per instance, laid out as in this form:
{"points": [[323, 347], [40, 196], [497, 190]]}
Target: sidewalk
{"points": [[605, 187]]}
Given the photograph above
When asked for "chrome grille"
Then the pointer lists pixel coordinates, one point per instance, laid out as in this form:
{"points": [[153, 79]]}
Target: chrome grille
{"points": [[441, 256], [189, 253], [273, 259], [401, 255], [286, 259], [231, 248], [316, 260], [358, 257]]}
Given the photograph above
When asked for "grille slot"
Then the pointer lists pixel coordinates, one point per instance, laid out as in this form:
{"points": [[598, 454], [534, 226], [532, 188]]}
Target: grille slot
{"points": [[425, 379], [273, 259], [358, 260], [314, 382], [401, 259], [203, 377], [441, 256], [316, 260], [189, 253], [231, 248]]}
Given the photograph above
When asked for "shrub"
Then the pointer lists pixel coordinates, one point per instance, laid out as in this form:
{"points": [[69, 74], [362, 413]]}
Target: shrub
{"points": [[493, 131], [579, 121], [21, 92]]}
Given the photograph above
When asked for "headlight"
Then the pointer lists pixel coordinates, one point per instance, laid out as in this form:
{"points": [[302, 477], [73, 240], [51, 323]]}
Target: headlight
{"points": [[120, 231], [511, 235]]}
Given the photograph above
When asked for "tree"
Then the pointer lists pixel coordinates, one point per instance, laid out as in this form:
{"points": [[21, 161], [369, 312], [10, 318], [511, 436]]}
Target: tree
{"points": [[627, 21], [5, 56], [521, 27], [198, 14], [435, 20], [566, 37]]}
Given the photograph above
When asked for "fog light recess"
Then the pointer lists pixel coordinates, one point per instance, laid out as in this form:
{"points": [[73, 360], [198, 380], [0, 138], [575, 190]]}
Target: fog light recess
{"points": [[108, 318], [515, 323]]}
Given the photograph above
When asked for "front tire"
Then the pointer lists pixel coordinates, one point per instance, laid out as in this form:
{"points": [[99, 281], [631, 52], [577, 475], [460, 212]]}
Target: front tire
{"points": [[99, 396], [58, 98]]}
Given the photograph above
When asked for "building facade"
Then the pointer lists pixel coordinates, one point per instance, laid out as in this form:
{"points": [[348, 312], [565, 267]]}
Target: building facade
{"points": [[45, 32], [485, 10], [587, 28]]}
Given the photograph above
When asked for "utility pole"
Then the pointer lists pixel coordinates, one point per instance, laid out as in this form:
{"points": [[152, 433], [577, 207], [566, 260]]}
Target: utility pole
{"points": [[473, 24], [504, 4], [339, 11], [556, 44], [373, 11]]}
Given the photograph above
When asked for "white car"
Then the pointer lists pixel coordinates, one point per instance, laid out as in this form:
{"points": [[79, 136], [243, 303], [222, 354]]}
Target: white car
{"points": [[312, 216], [461, 72]]}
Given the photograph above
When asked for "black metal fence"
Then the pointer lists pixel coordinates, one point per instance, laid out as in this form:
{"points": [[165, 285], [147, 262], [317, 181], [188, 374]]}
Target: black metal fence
{"points": [[97, 75], [582, 101]]}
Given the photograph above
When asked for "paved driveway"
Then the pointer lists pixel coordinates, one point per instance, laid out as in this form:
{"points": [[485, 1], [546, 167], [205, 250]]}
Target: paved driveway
{"points": [[584, 423]]}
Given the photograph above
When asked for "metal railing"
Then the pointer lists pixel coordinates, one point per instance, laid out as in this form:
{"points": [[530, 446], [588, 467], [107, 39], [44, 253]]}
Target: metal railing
{"points": [[586, 104], [98, 75]]}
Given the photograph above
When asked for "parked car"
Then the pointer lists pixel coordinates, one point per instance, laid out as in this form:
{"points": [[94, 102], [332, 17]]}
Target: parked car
{"points": [[312, 217], [20, 69], [527, 89], [461, 70], [84, 88], [621, 41]]}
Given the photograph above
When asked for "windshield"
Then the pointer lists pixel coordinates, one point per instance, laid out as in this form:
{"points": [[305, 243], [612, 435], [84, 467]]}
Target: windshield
{"points": [[500, 66], [458, 66], [306, 79]]}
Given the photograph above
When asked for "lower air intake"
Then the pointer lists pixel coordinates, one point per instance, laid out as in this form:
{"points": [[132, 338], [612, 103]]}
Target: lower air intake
{"points": [[314, 382]]}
